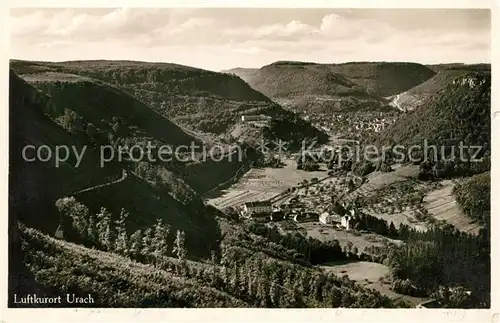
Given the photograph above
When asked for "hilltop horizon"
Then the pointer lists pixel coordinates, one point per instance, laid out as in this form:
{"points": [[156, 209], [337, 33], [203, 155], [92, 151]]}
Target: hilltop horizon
{"points": [[246, 67]]}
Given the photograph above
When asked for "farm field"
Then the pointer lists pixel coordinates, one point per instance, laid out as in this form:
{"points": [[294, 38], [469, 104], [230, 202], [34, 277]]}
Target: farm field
{"points": [[442, 205], [378, 180], [360, 241], [371, 275], [263, 183]]}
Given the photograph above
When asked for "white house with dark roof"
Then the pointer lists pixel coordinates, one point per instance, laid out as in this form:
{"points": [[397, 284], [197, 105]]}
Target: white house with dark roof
{"points": [[329, 218], [257, 207]]}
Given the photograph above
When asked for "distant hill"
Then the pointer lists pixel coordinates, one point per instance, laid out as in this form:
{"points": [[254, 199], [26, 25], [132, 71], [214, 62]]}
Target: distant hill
{"points": [[385, 78], [100, 104], [460, 66], [460, 112], [201, 100], [355, 86]]}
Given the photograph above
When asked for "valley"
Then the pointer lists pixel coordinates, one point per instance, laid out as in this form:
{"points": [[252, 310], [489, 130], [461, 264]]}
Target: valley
{"points": [[256, 227]]}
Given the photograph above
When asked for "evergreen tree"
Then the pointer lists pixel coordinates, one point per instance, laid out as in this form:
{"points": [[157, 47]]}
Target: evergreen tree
{"points": [[225, 275], [136, 245], [122, 243], [147, 248], [103, 222], [76, 212], [160, 235], [93, 233], [288, 295], [179, 250]]}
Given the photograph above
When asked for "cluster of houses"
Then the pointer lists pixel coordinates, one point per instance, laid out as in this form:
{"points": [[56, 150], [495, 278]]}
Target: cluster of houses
{"points": [[346, 123], [264, 211]]}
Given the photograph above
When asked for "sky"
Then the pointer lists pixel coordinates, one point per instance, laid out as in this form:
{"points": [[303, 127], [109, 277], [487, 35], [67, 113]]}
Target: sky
{"points": [[224, 38]]}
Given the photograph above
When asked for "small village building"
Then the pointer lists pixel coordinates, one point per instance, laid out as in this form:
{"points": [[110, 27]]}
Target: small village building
{"points": [[345, 221], [327, 218], [257, 207]]}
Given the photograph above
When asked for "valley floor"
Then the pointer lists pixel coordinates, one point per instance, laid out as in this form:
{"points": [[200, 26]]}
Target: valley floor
{"points": [[263, 183]]}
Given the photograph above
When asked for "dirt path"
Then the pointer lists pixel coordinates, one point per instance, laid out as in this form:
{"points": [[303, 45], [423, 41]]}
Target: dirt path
{"points": [[121, 179]]}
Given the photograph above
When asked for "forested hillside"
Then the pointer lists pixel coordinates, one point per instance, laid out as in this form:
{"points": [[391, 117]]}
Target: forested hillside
{"points": [[461, 112], [240, 276], [204, 101], [147, 192], [446, 73]]}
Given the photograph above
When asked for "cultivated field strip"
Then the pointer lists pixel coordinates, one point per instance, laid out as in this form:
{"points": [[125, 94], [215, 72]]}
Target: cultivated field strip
{"points": [[442, 205]]}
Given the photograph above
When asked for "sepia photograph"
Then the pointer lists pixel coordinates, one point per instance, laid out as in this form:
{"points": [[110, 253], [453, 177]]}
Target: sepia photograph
{"points": [[249, 158]]}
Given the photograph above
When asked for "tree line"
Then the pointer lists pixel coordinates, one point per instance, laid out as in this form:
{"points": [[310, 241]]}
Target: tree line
{"points": [[310, 249], [102, 232]]}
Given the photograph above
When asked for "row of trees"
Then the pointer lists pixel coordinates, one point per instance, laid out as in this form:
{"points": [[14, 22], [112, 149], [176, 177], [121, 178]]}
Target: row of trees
{"points": [[313, 250], [363, 221], [102, 232], [452, 168], [265, 282]]}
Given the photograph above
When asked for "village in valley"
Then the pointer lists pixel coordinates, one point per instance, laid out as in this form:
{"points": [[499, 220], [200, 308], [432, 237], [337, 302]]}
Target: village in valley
{"points": [[330, 202], [298, 162]]}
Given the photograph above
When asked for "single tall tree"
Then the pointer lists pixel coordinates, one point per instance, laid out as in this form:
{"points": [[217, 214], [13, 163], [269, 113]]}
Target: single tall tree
{"points": [[135, 245], [179, 249], [122, 244]]}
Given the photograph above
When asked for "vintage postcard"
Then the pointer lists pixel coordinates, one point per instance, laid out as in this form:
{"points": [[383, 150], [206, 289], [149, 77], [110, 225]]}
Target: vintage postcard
{"points": [[231, 157]]}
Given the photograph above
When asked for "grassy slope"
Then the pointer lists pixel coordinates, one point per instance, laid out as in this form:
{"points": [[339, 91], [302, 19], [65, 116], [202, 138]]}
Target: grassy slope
{"points": [[98, 103]]}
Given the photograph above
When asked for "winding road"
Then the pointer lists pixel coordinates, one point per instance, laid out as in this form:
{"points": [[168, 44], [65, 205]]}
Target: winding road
{"points": [[121, 179]]}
